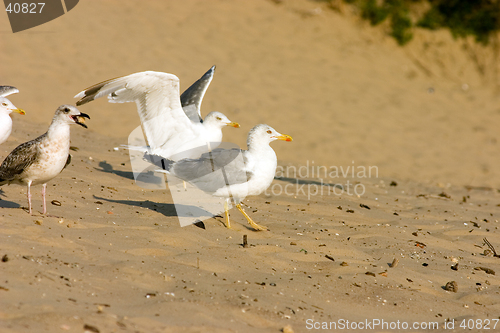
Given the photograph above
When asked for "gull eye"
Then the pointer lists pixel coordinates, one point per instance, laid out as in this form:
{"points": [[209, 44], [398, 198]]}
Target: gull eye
{"points": [[218, 118], [66, 110], [4, 104], [269, 132]]}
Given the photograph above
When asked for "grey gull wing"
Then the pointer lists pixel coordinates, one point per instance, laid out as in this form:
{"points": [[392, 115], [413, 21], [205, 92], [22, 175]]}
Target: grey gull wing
{"points": [[8, 90], [192, 97], [210, 172]]}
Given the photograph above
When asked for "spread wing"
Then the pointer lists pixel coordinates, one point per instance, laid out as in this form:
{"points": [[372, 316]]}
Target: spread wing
{"points": [[7, 90], [192, 97], [158, 103], [19, 159]]}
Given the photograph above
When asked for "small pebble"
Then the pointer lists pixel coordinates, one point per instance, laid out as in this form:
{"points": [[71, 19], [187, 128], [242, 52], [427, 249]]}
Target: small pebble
{"points": [[327, 256], [394, 262], [485, 269], [451, 286], [488, 253]]}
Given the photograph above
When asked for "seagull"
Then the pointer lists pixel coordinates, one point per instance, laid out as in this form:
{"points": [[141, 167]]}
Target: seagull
{"points": [[250, 175], [172, 124], [6, 107], [39, 160]]}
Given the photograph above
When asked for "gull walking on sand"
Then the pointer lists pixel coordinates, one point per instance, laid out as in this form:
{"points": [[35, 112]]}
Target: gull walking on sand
{"points": [[172, 124], [6, 108], [40, 160], [250, 175]]}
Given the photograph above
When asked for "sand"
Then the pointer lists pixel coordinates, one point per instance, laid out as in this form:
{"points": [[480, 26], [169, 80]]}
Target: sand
{"points": [[423, 119]]}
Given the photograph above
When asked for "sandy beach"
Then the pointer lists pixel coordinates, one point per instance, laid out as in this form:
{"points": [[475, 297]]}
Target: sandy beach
{"points": [[384, 197]]}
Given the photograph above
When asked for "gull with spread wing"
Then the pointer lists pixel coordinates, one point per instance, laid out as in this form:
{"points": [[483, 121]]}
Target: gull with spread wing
{"points": [[172, 124]]}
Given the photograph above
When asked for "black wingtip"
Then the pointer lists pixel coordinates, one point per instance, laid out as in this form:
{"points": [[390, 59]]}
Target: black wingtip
{"points": [[159, 161], [200, 224]]}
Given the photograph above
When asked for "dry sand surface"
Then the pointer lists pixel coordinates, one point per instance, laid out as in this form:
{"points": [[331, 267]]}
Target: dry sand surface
{"points": [[425, 117]]}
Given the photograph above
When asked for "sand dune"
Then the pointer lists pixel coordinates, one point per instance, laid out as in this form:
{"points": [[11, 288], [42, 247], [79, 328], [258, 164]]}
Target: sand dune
{"points": [[116, 260]]}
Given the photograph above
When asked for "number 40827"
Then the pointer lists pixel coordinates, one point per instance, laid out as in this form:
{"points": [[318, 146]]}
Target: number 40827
{"points": [[25, 8]]}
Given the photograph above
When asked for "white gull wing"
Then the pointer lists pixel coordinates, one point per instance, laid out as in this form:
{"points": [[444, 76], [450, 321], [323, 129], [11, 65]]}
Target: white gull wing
{"points": [[192, 97], [158, 104], [8, 90]]}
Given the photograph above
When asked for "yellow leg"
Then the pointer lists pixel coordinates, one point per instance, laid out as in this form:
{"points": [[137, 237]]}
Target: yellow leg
{"points": [[226, 211], [252, 223]]}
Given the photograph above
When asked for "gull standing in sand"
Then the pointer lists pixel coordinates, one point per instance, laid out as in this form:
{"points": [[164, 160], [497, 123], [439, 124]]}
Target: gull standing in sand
{"points": [[39, 160], [170, 129], [6, 107], [240, 177]]}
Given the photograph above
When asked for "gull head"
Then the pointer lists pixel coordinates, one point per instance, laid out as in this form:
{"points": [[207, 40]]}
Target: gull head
{"points": [[7, 107], [218, 119], [71, 115], [265, 134]]}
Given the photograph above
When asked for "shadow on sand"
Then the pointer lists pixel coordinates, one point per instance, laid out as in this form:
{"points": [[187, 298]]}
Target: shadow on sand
{"points": [[299, 181], [108, 168]]}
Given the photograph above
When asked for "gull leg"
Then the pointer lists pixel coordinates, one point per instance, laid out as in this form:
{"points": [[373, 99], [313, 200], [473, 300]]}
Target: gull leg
{"points": [[252, 223], [29, 197], [43, 199], [226, 211]]}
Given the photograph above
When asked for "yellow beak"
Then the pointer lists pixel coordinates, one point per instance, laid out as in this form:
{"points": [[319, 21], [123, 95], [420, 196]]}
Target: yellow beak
{"points": [[233, 124], [20, 111], [284, 137]]}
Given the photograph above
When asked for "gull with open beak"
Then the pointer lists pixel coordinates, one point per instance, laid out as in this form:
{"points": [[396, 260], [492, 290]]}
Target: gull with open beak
{"points": [[6, 108], [40, 160]]}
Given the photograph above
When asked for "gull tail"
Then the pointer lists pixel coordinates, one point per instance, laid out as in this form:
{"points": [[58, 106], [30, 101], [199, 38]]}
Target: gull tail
{"points": [[143, 149]]}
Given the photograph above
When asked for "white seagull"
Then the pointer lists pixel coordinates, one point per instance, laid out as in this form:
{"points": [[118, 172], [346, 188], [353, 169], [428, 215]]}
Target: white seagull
{"points": [[39, 160], [6, 107], [172, 124], [240, 177]]}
